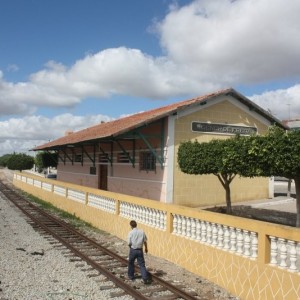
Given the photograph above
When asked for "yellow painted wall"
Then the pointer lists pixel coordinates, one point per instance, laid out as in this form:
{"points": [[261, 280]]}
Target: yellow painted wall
{"points": [[250, 279], [203, 190]]}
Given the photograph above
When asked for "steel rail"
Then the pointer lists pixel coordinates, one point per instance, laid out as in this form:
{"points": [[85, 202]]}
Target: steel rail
{"points": [[9, 193]]}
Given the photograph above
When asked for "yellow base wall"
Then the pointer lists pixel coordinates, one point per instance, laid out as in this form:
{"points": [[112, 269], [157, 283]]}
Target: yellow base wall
{"points": [[203, 190], [243, 276]]}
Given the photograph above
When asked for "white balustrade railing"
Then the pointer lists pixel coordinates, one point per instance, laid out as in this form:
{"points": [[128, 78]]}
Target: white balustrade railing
{"points": [[101, 202], [37, 183], [47, 186], [285, 254], [145, 215], [231, 239], [59, 190], [76, 195]]}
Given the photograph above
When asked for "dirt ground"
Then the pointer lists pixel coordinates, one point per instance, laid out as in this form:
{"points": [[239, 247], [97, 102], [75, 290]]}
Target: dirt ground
{"points": [[261, 214]]}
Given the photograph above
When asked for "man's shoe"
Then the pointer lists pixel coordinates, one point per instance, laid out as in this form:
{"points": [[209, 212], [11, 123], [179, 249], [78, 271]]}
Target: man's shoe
{"points": [[147, 281], [131, 278]]}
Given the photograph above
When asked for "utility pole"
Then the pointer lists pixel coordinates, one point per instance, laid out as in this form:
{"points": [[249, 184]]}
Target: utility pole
{"points": [[290, 180]]}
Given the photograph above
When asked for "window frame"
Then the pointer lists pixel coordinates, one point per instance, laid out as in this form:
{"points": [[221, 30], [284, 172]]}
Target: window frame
{"points": [[147, 161]]}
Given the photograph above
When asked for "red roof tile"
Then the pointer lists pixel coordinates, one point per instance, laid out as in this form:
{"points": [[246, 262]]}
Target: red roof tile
{"points": [[119, 126]]}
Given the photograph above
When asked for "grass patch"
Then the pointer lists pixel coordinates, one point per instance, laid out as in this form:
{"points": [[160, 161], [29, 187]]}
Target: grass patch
{"points": [[70, 218]]}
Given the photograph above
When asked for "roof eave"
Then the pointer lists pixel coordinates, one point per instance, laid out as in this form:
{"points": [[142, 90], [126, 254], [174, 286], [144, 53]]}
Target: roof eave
{"points": [[254, 107]]}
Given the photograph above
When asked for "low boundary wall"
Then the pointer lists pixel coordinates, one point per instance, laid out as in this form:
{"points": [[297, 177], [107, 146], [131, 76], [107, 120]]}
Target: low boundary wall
{"points": [[251, 259]]}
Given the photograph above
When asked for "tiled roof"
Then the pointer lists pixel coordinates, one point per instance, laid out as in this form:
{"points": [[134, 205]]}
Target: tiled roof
{"points": [[123, 125]]}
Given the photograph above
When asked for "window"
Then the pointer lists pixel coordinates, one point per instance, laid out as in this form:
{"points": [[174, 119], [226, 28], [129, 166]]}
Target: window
{"points": [[123, 158], [78, 158], [147, 161], [103, 158], [93, 170]]}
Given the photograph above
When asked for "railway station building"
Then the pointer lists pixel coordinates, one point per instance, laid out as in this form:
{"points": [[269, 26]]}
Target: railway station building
{"points": [[137, 155]]}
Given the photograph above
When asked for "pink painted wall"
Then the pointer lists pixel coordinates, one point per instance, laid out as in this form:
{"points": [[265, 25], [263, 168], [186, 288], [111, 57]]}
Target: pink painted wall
{"points": [[122, 177]]}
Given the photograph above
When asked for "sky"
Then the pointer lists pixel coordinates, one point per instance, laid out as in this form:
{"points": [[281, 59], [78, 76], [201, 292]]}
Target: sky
{"points": [[69, 64]]}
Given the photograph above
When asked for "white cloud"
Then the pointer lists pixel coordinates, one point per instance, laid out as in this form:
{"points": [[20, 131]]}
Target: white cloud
{"points": [[234, 42], [12, 68], [21, 135], [112, 71], [207, 44], [283, 103]]}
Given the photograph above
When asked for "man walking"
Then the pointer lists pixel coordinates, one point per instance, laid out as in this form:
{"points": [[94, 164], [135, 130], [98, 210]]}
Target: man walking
{"points": [[136, 239]]}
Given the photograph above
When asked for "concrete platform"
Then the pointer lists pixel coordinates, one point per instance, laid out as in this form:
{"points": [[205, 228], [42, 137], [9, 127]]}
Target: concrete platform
{"points": [[283, 200], [280, 203]]}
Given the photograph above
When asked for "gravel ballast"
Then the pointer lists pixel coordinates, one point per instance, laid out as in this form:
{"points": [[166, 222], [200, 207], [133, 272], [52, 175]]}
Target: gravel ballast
{"points": [[32, 268]]}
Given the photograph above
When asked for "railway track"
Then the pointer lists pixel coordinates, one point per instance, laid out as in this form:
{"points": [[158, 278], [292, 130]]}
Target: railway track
{"points": [[99, 258]]}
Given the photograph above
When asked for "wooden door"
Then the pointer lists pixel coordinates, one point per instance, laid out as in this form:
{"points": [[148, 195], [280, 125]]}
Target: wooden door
{"points": [[103, 177]]}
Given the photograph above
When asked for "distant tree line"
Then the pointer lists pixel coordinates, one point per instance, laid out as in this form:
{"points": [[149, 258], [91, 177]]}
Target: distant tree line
{"points": [[22, 161]]}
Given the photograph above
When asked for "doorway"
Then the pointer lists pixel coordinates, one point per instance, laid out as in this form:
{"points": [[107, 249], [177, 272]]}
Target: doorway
{"points": [[103, 177]]}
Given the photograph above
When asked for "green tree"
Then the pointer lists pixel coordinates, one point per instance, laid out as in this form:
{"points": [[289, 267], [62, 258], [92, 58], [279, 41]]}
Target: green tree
{"points": [[20, 162], [39, 162], [223, 158], [275, 154], [278, 154], [4, 159], [49, 159], [45, 160]]}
